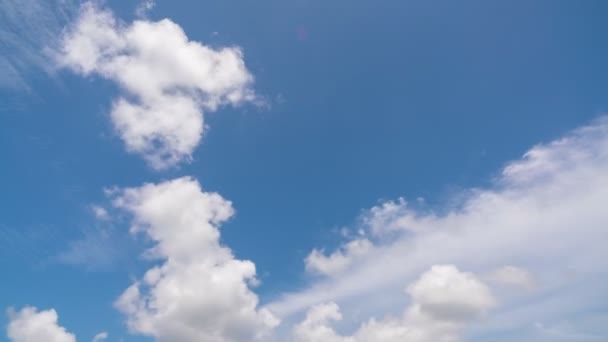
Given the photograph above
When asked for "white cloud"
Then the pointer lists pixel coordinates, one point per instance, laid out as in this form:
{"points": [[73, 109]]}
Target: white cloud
{"points": [[318, 262], [168, 80], [200, 292], [545, 213], [391, 216], [445, 293], [444, 301], [31, 325], [102, 336], [315, 326]]}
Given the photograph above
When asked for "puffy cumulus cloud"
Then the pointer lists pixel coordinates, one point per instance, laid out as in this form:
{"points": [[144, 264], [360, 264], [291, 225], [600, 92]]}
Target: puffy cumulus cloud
{"points": [[200, 291], [31, 325], [545, 213], [168, 80], [444, 301], [320, 263], [445, 293], [316, 325]]}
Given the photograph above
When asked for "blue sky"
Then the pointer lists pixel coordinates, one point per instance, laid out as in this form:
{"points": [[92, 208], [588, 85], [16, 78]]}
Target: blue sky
{"points": [[348, 136]]}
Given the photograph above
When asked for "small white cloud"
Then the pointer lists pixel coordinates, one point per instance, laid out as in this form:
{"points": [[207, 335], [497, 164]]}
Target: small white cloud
{"points": [[100, 213], [144, 7], [102, 336], [168, 80], [31, 325], [28, 30]]}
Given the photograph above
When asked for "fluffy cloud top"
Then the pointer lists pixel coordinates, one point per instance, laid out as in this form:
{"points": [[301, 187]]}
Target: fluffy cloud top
{"points": [[31, 325], [444, 300], [445, 293], [545, 213], [200, 292], [169, 81], [318, 262]]}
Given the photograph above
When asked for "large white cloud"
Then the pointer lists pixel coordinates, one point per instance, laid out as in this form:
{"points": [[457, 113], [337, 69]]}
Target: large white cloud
{"points": [[200, 292], [168, 80], [540, 229], [31, 325], [444, 301]]}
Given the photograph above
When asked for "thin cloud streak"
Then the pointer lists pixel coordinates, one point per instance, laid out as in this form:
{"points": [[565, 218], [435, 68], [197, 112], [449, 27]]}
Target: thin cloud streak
{"points": [[29, 30]]}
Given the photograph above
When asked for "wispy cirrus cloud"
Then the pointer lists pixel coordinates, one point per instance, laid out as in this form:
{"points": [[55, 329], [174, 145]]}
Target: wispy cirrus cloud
{"points": [[29, 29]]}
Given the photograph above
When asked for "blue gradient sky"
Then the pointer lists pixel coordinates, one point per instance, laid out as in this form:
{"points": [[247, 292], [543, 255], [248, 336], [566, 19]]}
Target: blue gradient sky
{"points": [[366, 101]]}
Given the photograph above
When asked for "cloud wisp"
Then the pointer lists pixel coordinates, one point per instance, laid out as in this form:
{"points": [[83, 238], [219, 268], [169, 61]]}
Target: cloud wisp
{"points": [[28, 31]]}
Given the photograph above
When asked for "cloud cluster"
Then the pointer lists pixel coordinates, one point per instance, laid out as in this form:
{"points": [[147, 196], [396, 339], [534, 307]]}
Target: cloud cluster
{"points": [[541, 228], [31, 325], [548, 206], [168, 80], [200, 292], [444, 301]]}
